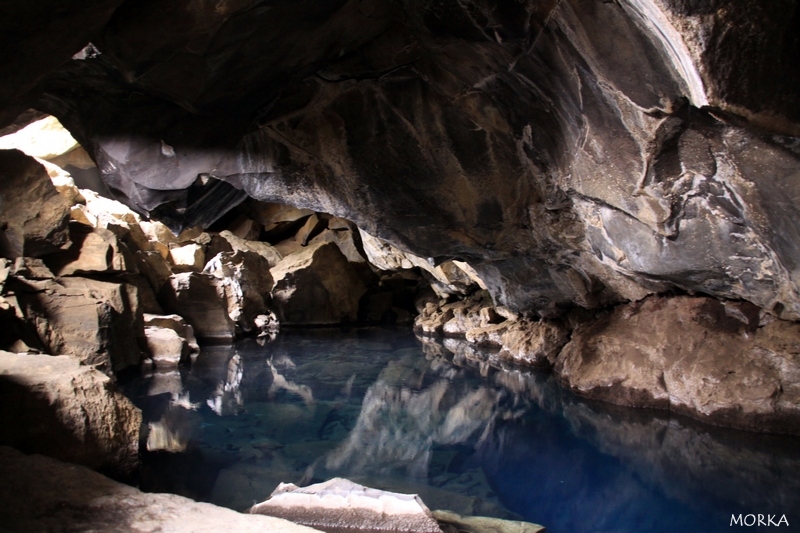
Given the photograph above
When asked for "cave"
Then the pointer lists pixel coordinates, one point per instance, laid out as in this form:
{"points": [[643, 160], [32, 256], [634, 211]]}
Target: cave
{"points": [[533, 261]]}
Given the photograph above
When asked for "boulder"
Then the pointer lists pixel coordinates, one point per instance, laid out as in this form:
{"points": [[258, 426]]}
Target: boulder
{"points": [[97, 322], [167, 348], [316, 286], [446, 278], [29, 268], [145, 295], [108, 211], [340, 503], [45, 139], [187, 258], [65, 186], [153, 267], [55, 406], [267, 325], [33, 215], [313, 225], [93, 250], [245, 228], [247, 281], [177, 324], [201, 300], [432, 318], [76, 499], [525, 342], [694, 355], [226, 241], [345, 238], [277, 219], [159, 235]]}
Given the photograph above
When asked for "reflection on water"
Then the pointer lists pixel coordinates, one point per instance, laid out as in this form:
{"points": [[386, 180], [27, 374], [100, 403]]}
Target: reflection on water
{"points": [[448, 422]]}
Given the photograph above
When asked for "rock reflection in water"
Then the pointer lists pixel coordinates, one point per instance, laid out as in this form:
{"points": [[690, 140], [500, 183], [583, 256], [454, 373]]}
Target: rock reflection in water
{"points": [[462, 429], [402, 419]]}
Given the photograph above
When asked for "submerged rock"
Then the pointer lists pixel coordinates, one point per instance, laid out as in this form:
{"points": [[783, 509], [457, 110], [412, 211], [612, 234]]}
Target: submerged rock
{"points": [[455, 523], [55, 406], [340, 503], [81, 500]]}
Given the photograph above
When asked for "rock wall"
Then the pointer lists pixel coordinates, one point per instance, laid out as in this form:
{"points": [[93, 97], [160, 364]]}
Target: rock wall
{"points": [[572, 152], [563, 155], [55, 406]]}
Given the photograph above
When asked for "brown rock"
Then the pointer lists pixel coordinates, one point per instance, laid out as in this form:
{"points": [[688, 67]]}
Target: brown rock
{"points": [[30, 268], [33, 216], [187, 258], [177, 324], [94, 321], [77, 499], [432, 318], [154, 268], [245, 228], [533, 343], [247, 282], [201, 300], [316, 286], [693, 356], [56, 406], [345, 239], [276, 217], [228, 242], [92, 250], [167, 348], [159, 236]]}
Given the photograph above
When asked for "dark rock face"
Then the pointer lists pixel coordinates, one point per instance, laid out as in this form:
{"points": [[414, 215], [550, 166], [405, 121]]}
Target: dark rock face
{"points": [[573, 152], [33, 216]]}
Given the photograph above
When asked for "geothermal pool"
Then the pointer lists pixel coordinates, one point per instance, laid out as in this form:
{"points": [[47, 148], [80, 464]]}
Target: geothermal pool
{"points": [[449, 422]]}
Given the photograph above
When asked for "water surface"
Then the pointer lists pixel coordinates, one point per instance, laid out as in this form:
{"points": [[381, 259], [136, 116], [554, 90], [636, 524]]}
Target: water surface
{"points": [[447, 421]]}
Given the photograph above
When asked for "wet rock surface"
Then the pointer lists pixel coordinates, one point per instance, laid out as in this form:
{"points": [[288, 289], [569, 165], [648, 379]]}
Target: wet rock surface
{"points": [[696, 356], [55, 406], [340, 504]]}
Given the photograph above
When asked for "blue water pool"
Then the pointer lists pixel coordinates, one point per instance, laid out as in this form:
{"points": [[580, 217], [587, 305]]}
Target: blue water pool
{"points": [[445, 420]]}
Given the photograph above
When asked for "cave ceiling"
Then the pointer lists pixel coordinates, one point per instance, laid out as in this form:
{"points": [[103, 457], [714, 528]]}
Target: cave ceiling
{"points": [[573, 151]]}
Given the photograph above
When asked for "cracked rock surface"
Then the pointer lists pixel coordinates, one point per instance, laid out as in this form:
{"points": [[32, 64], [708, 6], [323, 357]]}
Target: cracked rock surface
{"points": [[572, 152]]}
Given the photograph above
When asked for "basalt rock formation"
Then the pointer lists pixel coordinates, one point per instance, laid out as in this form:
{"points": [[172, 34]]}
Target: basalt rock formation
{"points": [[572, 152], [563, 155]]}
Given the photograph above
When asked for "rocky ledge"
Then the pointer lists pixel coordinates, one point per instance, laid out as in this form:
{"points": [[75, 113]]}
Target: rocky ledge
{"points": [[722, 362], [55, 406], [76, 499]]}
